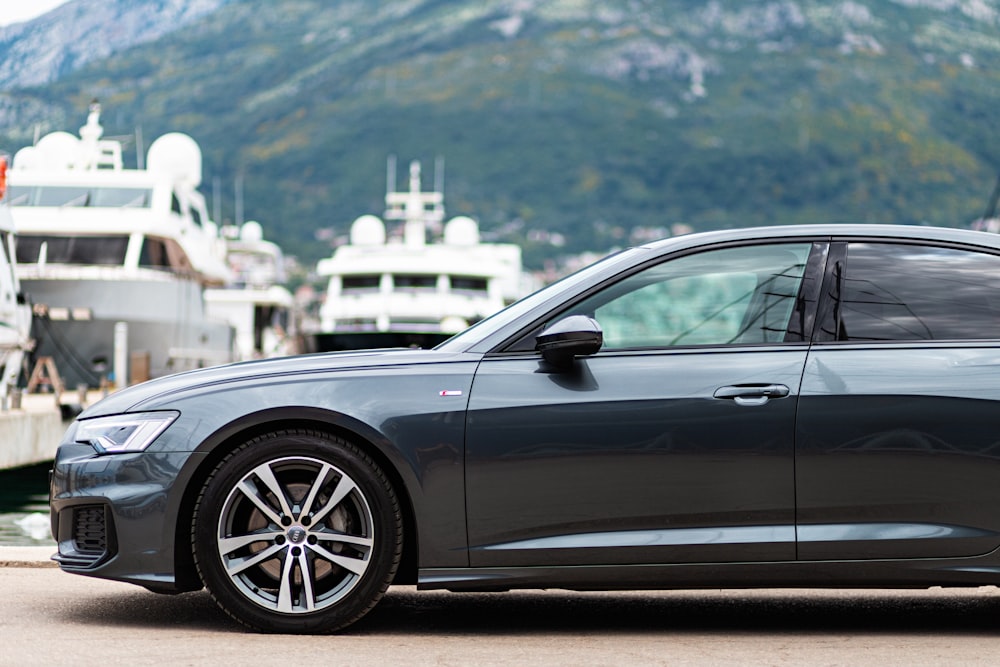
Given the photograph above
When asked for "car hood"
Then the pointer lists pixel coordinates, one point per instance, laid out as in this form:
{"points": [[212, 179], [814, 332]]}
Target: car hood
{"points": [[129, 398]]}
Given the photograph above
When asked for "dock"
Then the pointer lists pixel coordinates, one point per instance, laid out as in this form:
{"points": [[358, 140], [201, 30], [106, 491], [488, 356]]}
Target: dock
{"points": [[31, 432]]}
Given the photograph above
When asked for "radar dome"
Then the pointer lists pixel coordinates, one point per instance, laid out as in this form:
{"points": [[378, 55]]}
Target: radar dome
{"points": [[56, 150], [368, 230], [178, 155], [251, 231], [28, 158], [461, 231]]}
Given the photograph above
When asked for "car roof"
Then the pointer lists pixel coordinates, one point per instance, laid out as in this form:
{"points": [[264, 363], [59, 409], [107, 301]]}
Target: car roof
{"points": [[902, 232]]}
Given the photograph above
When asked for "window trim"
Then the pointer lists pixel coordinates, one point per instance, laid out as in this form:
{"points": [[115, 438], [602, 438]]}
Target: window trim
{"points": [[828, 313], [522, 342]]}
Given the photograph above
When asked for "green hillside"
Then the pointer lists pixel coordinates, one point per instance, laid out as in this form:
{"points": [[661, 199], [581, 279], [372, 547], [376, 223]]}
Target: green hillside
{"points": [[597, 121]]}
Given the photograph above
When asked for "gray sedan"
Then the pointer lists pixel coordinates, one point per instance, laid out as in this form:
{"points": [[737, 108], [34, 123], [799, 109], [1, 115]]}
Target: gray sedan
{"points": [[792, 406]]}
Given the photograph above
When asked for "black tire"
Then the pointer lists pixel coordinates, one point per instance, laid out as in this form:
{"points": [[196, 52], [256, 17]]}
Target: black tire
{"points": [[297, 532]]}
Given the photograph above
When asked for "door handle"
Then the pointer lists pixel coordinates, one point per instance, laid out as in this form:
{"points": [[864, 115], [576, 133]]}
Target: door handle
{"points": [[752, 394]]}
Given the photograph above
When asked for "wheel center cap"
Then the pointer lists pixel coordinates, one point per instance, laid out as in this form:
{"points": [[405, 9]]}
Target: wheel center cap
{"points": [[296, 535]]}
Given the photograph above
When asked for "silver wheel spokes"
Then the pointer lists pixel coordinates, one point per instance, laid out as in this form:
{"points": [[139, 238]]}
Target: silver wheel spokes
{"points": [[295, 535]]}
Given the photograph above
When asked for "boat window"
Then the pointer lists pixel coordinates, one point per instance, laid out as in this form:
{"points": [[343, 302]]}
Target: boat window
{"points": [[196, 216], [154, 254], [122, 197], [414, 282], [164, 254], [364, 283], [99, 250], [61, 196], [19, 195], [175, 203], [468, 284], [3, 246], [38, 195]]}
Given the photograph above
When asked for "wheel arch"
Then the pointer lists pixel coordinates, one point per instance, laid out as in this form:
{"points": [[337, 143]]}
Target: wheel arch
{"points": [[228, 438]]}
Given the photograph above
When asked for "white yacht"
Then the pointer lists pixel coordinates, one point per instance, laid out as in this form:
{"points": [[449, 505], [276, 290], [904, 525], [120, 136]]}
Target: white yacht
{"points": [[255, 303], [15, 315], [416, 284], [99, 245]]}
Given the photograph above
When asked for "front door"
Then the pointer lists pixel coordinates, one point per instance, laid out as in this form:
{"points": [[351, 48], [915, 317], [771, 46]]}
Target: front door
{"points": [[672, 444]]}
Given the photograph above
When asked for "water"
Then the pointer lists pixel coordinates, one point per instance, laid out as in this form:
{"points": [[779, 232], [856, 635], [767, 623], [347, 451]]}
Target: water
{"points": [[24, 506]]}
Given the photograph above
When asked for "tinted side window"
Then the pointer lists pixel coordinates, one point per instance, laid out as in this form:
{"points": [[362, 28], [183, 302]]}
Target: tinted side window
{"points": [[103, 250], [718, 297], [154, 254], [913, 292]]}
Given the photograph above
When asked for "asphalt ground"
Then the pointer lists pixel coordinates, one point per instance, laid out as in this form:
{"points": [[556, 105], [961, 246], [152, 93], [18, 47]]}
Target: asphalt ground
{"points": [[49, 617]]}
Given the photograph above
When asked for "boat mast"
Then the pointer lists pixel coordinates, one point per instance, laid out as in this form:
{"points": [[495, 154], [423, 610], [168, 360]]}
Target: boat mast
{"points": [[991, 207], [417, 209]]}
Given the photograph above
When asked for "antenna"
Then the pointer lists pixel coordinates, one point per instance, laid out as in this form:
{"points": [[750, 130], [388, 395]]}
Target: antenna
{"points": [[991, 207], [239, 199], [217, 199], [439, 174], [390, 173], [139, 148]]}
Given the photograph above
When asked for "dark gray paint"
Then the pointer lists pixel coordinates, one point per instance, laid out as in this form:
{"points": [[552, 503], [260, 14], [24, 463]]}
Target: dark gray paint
{"points": [[899, 451], [636, 449], [624, 472]]}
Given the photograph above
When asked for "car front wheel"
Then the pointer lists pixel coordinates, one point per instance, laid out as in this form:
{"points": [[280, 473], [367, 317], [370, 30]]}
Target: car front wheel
{"points": [[297, 532]]}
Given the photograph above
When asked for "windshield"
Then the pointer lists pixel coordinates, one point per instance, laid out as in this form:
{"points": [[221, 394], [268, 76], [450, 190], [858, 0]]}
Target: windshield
{"points": [[37, 195], [487, 327]]}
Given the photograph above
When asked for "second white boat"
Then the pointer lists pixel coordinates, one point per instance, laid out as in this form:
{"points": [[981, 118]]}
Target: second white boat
{"points": [[418, 284]]}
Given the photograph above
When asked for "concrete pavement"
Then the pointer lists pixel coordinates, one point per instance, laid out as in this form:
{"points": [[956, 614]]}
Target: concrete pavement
{"points": [[52, 618], [27, 556]]}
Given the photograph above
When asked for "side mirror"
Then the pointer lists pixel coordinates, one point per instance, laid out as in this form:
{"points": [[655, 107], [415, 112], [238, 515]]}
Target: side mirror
{"points": [[574, 336]]}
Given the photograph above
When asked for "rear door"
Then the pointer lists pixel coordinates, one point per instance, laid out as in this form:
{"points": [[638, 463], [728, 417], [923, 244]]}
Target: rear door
{"points": [[898, 430]]}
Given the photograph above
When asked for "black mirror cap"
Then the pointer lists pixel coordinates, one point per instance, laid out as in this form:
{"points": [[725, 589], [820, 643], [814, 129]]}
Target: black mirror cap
{"points": [[571, 337]]}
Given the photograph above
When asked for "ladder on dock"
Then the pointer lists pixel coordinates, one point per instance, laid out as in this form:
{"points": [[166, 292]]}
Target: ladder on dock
{"points": [[45, 374]]}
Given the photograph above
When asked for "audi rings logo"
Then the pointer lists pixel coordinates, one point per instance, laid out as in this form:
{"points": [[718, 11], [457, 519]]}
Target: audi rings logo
{"points": [[296, 535]]}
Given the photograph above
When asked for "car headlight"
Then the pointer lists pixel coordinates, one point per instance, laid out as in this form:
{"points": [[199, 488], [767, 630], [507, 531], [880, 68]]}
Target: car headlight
{"points": [[123, 433]]}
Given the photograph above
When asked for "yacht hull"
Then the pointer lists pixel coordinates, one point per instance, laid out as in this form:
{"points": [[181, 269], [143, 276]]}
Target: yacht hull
{"points": [[167, 330]]}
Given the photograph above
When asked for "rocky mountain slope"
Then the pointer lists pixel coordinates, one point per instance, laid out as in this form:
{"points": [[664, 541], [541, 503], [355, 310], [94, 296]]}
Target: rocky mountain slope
{"points": [[38, 52]]}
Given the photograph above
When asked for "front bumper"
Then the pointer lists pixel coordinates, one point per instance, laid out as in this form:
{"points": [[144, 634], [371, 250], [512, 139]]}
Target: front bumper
{"points": [[115, 516]]}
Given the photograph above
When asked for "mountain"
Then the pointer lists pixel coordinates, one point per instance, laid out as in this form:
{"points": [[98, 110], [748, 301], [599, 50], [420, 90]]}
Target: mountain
{"points": [[566, 125], [40, 51]]}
